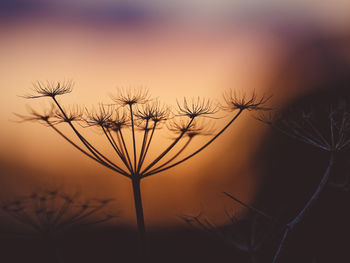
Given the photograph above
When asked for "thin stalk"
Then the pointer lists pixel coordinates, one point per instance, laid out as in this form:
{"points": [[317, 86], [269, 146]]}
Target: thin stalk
{"points": [[81, 150], [93, 150], [148, 144], [133, 135], [144, 141], [301, 138], [120, 144], [198, 151], [168, 149], [318, 133], [113, 143], [126, 149], [115, 147], [62, 211], [80, 216], [300, 216], [71, 142], [283, 240], [255, 210], [139, 214], [24, 221], [176, 155], [75, 130]]}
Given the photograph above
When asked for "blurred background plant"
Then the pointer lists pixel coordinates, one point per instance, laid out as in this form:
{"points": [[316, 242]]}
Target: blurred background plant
{"points": [[49, 213], [322, 122]]}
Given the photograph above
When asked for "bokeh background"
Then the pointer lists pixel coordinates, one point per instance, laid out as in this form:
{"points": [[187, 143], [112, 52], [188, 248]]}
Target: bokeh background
{"points": [[174, 48]]}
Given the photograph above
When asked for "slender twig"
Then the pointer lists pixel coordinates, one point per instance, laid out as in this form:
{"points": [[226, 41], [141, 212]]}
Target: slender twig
{"points": [[290, 226], [93, 150], [126, 150], [167, 149], [144, 141], [255, 210], [196, 152], [176, 155], [148, 144], [133, 136]]}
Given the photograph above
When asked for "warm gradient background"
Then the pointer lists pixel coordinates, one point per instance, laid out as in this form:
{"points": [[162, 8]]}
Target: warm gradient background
{"points": [[176, 49]]}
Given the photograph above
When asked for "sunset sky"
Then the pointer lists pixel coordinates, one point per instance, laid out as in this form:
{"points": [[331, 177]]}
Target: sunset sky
{"points": [[175, 49]]}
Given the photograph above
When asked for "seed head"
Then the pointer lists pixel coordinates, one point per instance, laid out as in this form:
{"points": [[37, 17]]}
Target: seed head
{"points": [[49, 211], [118, 120], [325, 127], [50, 89], [197, 107], [196, 127], [72, 113], [154, 111], [235, 100], [101, 116], [35, 115], [131, 96]]}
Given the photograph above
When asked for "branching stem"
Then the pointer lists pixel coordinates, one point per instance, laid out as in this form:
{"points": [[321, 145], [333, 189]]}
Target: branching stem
{"points": [[290, 226], [198, 151]]}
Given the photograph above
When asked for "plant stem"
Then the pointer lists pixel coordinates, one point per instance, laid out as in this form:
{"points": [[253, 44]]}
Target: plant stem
{"points": [[169, 148], [133, 136], [193, 154], [290, 226], [93, 150], [139, 214]]}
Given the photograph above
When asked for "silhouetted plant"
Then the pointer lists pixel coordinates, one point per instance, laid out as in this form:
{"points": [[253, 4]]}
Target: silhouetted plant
{"points": [[326, 128], [134, 109], [246, 233], [50, 213]]}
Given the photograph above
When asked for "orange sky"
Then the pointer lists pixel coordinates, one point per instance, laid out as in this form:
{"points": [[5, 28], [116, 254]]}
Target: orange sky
{"points": [[172, 61]]}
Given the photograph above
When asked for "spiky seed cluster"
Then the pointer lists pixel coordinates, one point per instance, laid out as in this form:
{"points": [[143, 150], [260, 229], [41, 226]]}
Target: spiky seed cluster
{"points": [[51, 211], [72, 113], [154, 111], [102, 116], [118, 120], [50, 89], [161, 112], [141, 112], [36, 116], [196, 107], [131, 96], [179, 126], [145, 114], [329, 130], [190, 129], [238, 100]]}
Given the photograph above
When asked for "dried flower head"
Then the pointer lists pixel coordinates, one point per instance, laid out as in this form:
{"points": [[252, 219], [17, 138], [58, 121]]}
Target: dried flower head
{"points": [[238, 100], [327, 128], [51, 211], [50, 89], [72, 113], [102, 116], [118, 120], [34, 115], [144, 112], [154, 111], [197, 107], [194, 129], [131, 96]]}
